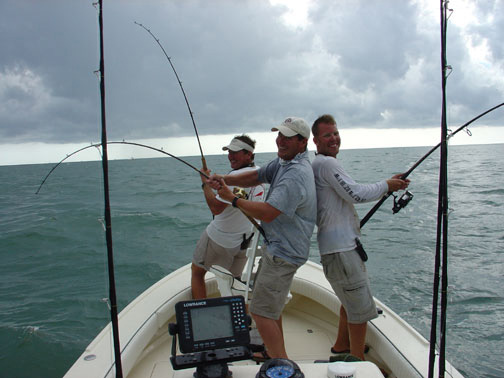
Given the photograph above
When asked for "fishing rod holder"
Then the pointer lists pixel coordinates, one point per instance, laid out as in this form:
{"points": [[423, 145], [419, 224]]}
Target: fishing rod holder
{"points": [[400, 203]]}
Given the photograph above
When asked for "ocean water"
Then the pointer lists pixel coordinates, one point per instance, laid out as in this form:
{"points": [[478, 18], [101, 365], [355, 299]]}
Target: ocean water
{"points": [[53, 271]]}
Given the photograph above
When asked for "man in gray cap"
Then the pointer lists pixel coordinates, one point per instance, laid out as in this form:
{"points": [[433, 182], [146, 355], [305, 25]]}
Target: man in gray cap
{"points": [[288, 217], [225, 240]]}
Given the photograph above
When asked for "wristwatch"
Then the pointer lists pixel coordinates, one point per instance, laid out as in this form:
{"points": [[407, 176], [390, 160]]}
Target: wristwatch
{"points": [[234, 201]]}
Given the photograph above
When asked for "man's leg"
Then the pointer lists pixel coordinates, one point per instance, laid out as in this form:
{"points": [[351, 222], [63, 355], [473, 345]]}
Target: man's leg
{"points": [[351, 336], [355, 294], [198, 288], [271, 332], [357, 339], [342, 343], [271, 288]]}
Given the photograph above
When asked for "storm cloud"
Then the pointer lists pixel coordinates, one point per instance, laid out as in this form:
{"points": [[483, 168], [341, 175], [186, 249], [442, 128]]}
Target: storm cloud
{"points": [[245, 65]]}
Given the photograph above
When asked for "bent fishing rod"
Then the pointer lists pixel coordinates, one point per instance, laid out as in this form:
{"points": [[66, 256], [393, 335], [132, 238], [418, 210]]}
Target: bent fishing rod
{"points": [[406, 174], [203, 161], [97, 145]]}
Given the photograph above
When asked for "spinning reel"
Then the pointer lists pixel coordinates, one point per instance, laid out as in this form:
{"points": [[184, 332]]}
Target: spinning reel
{"points": [[400, 203]]}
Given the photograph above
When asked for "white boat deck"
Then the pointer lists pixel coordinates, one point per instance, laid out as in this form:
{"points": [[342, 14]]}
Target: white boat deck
{"points": [[310, 324], [308, 338]]}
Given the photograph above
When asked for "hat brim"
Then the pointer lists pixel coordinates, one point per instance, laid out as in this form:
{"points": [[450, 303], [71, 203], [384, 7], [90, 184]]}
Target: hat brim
{"points": [[238, 145], [232, 148], [285, 131]]}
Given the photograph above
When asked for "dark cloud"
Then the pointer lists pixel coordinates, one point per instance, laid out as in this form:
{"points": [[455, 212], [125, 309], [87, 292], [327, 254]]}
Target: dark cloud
{"points": [[371, 63]]}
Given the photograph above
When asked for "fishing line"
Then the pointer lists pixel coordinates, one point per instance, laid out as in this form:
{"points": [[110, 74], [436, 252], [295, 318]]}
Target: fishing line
{"points": [[97, 145], [203, 161], [406, 174]]}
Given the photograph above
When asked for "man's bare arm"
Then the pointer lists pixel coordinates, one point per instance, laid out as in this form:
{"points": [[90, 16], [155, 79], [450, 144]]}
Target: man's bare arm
{"points": [[244, 180], [258, 210]]}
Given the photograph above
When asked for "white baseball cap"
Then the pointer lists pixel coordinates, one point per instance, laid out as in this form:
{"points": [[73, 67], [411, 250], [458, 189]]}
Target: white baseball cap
{"points": [[293, 126], [238, 145]]}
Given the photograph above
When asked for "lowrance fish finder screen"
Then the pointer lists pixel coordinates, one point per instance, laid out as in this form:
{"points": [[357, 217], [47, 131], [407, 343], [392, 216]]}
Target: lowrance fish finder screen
{"points": [[211, 322]]}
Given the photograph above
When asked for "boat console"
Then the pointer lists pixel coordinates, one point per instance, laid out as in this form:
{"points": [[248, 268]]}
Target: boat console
{"points": [[212, 332], [215, 331]]}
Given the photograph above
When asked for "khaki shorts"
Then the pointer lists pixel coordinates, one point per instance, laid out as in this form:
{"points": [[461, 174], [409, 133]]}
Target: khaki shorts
{"points": [[208, 253], [271, 286], [347, 274]]}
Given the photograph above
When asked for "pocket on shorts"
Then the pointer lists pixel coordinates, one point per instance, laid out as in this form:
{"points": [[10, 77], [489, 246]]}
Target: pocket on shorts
{"points": [[333, 269], [279, 269], [279, 262], [360, 303], [325, 260]]}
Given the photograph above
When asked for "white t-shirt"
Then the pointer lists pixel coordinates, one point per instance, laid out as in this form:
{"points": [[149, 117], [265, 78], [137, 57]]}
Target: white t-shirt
{"points": [[337, 221], [228, 227]]}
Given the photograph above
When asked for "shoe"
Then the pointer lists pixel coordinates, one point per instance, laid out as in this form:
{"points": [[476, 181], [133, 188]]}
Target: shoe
{"points": [[261, 356], [333, 351], [344, 357]]}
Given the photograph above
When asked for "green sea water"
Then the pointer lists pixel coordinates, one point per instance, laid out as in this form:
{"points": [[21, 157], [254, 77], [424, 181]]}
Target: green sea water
{"points": [[53, 271]]}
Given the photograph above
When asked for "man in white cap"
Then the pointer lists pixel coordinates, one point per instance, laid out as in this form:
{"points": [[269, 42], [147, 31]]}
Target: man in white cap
{"points": [[225, 240], [288, 217]]}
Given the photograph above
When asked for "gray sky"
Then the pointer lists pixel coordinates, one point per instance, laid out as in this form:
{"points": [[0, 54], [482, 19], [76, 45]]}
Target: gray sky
{"points": [[245, 66]]}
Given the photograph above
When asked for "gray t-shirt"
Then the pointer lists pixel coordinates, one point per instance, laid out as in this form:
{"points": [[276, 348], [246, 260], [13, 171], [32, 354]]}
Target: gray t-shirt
{"points": [[292, 191]]}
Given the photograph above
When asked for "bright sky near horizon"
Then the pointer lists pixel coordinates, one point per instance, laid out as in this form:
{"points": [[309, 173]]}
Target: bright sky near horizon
{"points": [[212, 144], [245, 66]]}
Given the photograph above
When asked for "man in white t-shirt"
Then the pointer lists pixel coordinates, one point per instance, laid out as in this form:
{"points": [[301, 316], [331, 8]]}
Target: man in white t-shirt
{"points": [[225, 240], [338, 235]]}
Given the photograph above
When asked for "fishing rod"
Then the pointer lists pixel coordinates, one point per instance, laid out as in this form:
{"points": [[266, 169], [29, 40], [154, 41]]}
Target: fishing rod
{"points": [[203, 161], [441, 257], [108, 217], [122, 142], [97, 145], [407, 196]]}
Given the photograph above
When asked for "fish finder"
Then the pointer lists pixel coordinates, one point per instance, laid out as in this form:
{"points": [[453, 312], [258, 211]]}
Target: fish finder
{"points": [[212, 323], [211, 331]]}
